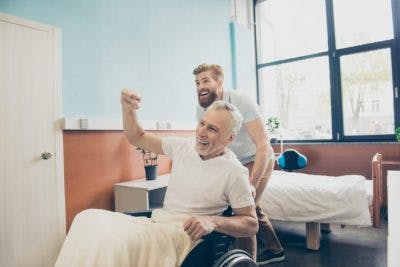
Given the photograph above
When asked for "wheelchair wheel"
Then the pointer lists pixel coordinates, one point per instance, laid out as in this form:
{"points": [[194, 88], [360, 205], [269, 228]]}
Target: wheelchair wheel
{"points": [[235, 257]]}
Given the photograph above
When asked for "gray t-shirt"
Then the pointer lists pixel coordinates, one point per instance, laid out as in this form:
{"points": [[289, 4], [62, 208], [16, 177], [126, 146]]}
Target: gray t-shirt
{"points": [[243, 146]]}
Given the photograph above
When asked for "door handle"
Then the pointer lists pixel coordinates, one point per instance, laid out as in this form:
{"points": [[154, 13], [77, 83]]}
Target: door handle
{"points": [[46, 155]]}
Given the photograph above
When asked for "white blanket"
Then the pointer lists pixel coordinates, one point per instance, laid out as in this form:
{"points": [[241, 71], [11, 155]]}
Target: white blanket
{"points": [[302, 197], [102, 238]]}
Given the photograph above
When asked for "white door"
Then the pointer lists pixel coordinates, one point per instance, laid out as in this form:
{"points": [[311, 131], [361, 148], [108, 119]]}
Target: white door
{"points": [[32, 205]]}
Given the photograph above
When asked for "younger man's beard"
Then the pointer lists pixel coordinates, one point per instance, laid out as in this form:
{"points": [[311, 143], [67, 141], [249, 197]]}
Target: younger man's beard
{"points": [[206, 102]]}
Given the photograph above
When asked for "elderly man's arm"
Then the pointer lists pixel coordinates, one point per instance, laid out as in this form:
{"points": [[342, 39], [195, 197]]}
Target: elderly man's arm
{"points": [[137, 136], [243, 224], [257, 132]]}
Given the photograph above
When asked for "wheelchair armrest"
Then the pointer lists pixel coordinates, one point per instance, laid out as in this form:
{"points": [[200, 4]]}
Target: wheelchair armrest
{"points": [[218, 243], [145, 213], [215, 236]]}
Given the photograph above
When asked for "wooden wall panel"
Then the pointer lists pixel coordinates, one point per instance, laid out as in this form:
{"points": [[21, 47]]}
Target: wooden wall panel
{"points": [[343, 158], [96, 160]]}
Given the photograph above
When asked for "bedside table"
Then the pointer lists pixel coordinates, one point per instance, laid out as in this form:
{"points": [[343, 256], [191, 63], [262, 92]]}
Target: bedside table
{"points": [[140, 194]]}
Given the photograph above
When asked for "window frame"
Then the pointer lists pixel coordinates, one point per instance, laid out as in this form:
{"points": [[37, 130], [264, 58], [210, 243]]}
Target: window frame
{"points": [[334, 56]]}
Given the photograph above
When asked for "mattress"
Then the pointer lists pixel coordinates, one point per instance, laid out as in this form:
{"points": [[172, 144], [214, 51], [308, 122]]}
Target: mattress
{"points": [[369, 190], [303, 197]]}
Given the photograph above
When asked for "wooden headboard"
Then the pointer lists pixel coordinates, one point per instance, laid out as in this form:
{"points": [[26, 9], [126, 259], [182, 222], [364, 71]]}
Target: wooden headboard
{"points": [[378, 194], [377, 163]]}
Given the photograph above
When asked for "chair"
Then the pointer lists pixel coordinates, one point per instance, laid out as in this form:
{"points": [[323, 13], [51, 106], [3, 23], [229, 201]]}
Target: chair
{"points": [[291, 159], [214, 250]]}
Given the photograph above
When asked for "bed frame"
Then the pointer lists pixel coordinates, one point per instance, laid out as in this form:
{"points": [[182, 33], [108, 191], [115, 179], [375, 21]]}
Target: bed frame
{"points": [[377, 164], [314, 229], [378, 189]]}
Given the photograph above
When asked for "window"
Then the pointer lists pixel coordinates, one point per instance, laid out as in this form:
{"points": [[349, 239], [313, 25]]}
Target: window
{"points": [[329, 69], [367, 78], [299, 94]]}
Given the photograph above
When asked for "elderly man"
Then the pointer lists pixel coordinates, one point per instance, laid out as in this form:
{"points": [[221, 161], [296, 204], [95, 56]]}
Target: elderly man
{"points": [[253, 150], [205, 166], [205, 179]]}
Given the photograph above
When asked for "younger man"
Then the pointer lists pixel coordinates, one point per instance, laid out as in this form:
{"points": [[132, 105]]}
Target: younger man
{"points": [[252, 148]]}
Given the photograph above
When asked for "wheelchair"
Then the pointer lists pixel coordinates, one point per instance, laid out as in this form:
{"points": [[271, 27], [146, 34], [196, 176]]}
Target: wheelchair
{"points": [[214, 251]]}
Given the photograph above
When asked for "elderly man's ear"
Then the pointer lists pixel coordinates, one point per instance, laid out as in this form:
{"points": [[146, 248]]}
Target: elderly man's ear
{"points": [[230, 139]]}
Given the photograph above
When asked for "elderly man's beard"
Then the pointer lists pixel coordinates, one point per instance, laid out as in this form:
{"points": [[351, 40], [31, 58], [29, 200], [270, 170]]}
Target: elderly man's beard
{"points": [[206, 101]]}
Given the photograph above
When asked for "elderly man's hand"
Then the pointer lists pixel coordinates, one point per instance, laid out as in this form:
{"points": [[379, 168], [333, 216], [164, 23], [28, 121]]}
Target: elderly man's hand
{"points": [[130, 99], [199, 226]]}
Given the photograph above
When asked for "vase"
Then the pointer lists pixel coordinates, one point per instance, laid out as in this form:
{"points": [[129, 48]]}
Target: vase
{"points": [[151, 172]]}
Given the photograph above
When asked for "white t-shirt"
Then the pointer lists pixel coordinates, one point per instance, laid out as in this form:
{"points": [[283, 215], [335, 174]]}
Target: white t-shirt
{"points": [[243, 146], [204, 187]]}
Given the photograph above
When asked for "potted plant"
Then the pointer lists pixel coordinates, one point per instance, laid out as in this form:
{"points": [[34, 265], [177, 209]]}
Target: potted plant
{"points": [[150, 163], [397, 133], [273, 124]]}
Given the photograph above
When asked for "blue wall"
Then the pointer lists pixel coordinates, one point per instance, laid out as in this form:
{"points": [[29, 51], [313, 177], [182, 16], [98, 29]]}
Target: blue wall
{"points": [[152, 46], [243, 59]]}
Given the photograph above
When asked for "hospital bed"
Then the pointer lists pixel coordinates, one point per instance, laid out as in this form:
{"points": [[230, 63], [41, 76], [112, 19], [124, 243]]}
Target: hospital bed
{"points": [[320, 200]]}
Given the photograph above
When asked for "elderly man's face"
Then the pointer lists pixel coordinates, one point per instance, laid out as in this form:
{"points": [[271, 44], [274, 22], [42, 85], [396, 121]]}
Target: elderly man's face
{"points": [[208, 89], [213, 133]]}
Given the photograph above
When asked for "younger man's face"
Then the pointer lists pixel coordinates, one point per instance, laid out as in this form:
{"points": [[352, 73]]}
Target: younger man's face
{"points": [[208, 89]]}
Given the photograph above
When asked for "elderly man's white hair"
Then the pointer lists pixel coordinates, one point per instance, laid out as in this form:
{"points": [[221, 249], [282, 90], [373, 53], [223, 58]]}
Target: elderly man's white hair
{"points": [[236, 116]]}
